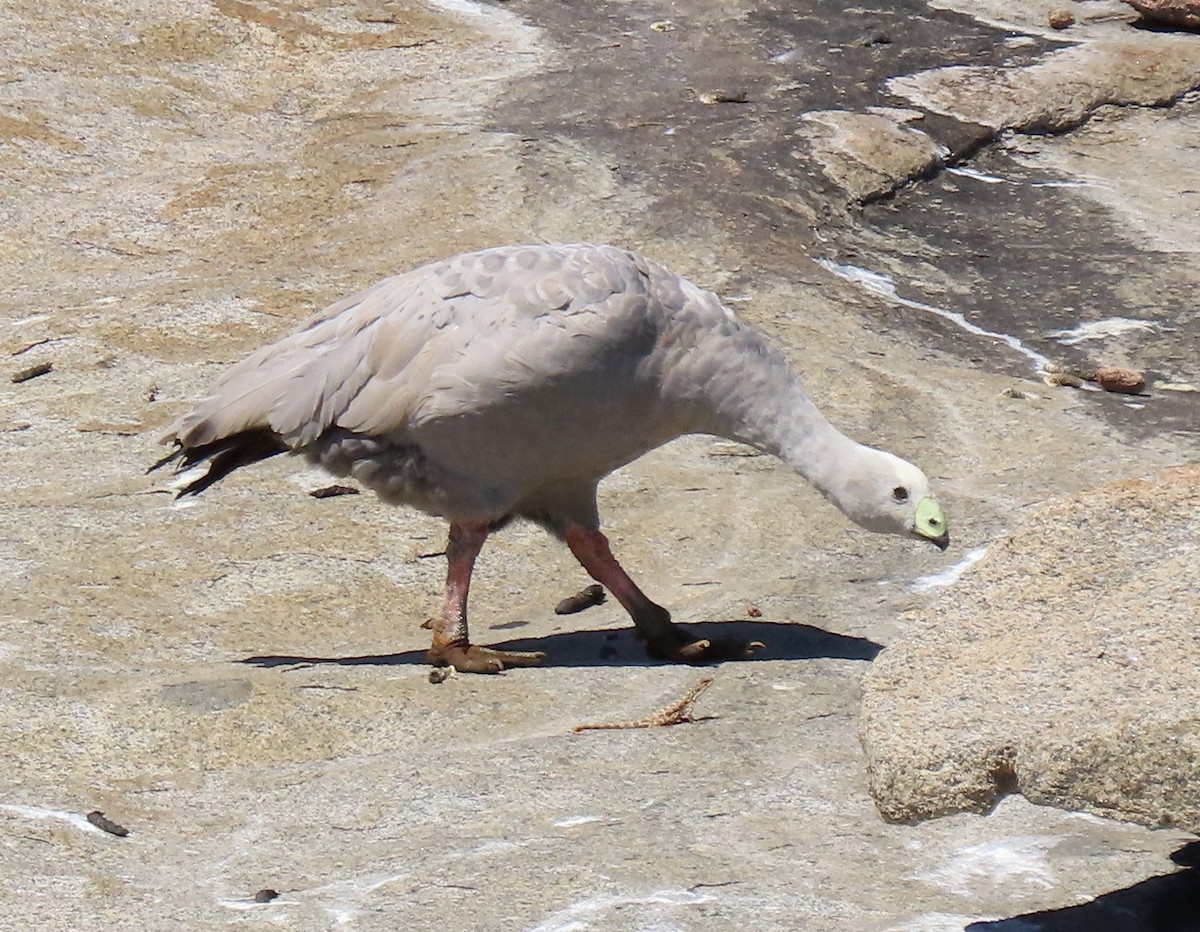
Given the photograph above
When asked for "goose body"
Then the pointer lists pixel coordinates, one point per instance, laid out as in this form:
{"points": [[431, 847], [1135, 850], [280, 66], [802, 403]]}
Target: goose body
{"points": [[509, 382]]}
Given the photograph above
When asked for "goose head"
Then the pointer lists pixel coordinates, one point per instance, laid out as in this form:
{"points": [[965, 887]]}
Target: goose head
{"points": [[884, 493]]}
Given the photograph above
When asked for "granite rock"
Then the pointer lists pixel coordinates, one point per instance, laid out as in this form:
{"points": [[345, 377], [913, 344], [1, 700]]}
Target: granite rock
{"points": [[1063, 667], [1182, 13]]}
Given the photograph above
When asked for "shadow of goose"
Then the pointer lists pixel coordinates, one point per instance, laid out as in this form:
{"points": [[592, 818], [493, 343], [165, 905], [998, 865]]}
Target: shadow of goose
{"points": [[621, 647]]}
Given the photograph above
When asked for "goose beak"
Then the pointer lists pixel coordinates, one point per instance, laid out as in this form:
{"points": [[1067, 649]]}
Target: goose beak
{"points": [[931, 523]]}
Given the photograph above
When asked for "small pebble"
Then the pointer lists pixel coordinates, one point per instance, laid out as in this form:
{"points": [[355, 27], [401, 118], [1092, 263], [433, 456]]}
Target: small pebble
{"points": [[1061, 19], [441, 674], [754, 611], [1116, 379], [265, 895]]}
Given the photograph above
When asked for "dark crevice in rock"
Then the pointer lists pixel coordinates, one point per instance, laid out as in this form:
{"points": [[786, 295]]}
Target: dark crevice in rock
{"points": [[1004, 775]]}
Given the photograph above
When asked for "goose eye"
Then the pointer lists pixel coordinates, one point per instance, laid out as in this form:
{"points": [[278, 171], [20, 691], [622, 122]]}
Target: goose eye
{"points": [[900, 493]]}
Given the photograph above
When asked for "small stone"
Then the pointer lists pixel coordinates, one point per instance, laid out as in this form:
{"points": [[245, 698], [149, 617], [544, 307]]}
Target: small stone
{"points": [[1061, 19], [754, 611], [265, 895], [1013, 392], [441, 674], [1186, 387], [663, 25], [1116, 379]]}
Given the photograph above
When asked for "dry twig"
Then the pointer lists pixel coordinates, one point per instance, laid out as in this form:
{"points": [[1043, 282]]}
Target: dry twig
{"points": [[584, 598]]}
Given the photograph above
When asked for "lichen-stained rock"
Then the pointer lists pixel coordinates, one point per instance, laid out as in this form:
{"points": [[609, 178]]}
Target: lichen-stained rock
{"points": [[1182, 13], [1063, 667]]}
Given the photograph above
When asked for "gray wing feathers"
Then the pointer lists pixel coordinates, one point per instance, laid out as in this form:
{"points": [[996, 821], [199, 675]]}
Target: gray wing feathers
{"points": [[448, 339]]}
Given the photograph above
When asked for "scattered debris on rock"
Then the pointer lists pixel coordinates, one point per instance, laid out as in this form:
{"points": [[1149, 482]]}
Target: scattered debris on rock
{"points": [[333, 491], [1109, 378], [32, 372], [98, 819], [583, 599]]}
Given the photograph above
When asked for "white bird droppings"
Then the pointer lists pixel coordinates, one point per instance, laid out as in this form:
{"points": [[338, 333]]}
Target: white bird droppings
{"points": [[1020, 858], [950, 575], [576, 820], [37, 812], [884, 286], [1102, 330], [582, 914]]}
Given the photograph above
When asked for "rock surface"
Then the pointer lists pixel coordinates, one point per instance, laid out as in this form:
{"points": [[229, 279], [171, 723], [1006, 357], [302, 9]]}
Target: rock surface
{"points": [[240, 681], [1062, 667]]}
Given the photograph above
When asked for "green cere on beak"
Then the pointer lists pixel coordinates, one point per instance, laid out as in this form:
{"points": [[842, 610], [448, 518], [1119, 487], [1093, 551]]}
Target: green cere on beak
{"points": [[931, 523]]}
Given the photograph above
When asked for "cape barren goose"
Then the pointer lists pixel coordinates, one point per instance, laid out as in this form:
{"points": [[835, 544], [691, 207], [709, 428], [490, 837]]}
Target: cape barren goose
{"points": [[509, 382]]}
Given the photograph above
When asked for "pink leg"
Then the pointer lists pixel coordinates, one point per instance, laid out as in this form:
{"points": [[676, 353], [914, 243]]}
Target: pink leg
{"points": [[451, 645], [653, 622]]}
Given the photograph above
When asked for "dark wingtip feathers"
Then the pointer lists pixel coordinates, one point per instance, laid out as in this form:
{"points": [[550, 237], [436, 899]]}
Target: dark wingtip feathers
{"points": [[177, 452], [221, 456]]}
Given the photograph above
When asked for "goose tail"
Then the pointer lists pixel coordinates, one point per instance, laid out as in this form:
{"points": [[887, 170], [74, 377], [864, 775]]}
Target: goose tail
{"points": [[218, 458]]}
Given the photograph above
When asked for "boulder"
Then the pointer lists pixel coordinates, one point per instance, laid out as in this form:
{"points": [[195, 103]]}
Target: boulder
{"points": [[1063, 666]]}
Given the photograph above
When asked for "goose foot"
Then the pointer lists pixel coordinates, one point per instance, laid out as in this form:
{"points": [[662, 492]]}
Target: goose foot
{"points": [[470, 658], [679, 645]]}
